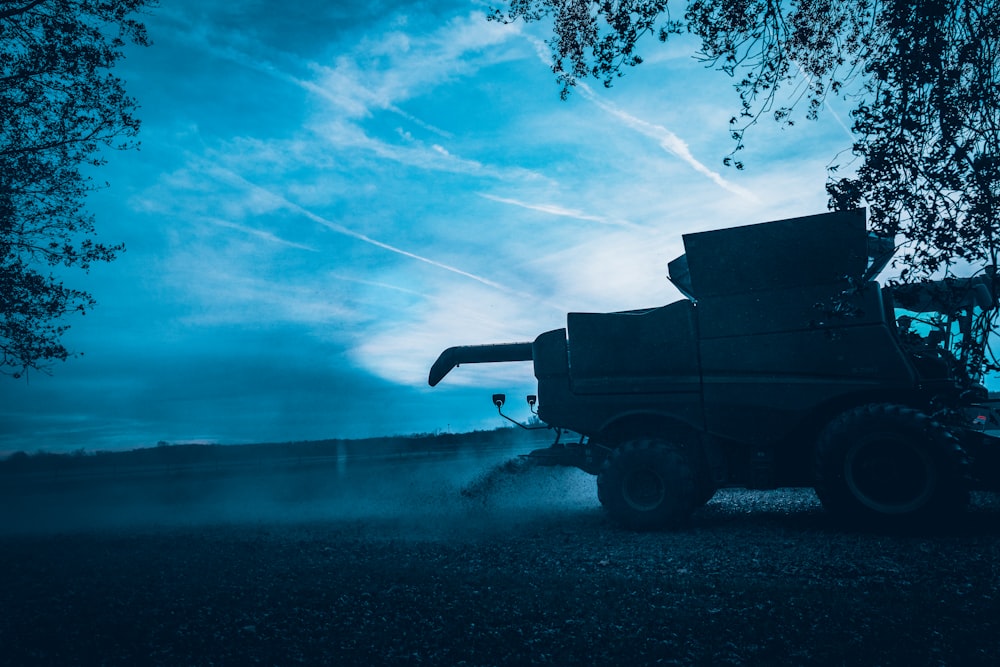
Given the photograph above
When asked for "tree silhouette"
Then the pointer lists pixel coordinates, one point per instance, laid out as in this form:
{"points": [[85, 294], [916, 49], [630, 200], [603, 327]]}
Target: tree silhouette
{"points": [[923, 77], [59, 105]]}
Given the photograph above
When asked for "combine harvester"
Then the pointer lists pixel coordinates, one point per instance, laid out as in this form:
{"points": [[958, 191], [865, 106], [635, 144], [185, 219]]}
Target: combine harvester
{"points": [[786, 365]]}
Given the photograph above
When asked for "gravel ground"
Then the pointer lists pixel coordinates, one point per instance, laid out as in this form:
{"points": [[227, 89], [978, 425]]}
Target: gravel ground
{"points": [[521, 569]]}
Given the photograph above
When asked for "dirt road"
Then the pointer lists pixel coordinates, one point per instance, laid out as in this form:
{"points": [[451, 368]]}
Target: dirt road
{"points": [[403, 569]]}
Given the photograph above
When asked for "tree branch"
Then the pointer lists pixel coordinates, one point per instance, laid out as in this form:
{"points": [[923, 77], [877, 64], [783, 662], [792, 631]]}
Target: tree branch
{"points": [[20, 10]]}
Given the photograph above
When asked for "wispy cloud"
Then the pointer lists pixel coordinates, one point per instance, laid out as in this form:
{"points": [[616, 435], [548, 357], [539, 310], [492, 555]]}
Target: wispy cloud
{"points": [[341, 135], [378, 74], [397, 65]]}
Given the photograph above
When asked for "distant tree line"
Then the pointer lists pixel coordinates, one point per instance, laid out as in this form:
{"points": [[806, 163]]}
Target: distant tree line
{"points": [[166, 454]]}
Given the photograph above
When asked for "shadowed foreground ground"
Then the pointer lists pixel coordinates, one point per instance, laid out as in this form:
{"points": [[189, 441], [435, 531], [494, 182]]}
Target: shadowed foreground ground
{"points": [[382, 568]]}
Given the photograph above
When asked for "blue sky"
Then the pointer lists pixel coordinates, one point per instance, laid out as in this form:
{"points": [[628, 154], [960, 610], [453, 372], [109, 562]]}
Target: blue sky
{"points": [[327, 195]]}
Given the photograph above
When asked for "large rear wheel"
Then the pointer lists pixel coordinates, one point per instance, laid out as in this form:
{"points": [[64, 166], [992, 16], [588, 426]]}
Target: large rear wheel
{"points": [[648, 483], [889, 464]]}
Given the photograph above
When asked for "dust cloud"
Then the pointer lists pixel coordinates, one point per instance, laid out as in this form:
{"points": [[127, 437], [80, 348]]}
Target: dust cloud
{"points": [[467, 492]]}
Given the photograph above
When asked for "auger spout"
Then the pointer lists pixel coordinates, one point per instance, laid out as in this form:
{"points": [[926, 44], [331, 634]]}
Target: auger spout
{"points": [[477, 354]]}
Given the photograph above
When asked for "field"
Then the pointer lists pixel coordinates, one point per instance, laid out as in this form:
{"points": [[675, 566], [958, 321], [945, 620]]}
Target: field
{"points": [[453, 558]]}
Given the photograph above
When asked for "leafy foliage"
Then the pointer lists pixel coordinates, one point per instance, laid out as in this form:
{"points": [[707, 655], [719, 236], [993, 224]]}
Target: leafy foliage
{"points": [[59, 105], [923, 77]]}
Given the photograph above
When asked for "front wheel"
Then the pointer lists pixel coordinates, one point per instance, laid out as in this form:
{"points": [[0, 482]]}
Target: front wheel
{"points": [[648, 484], [889, 464]]}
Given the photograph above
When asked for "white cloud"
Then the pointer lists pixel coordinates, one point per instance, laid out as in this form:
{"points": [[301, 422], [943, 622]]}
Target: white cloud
{"points": [[385, 70], [403, 350]]}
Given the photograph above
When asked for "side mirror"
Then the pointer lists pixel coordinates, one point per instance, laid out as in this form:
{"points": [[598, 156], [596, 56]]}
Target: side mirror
{"points": [[532, 399], [499, 400]]}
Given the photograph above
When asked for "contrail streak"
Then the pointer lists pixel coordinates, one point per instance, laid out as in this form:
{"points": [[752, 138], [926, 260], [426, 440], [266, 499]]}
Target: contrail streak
{"points": [[283, 201], [553, 209], [829, 110], [340, 229], [667, 140]]}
